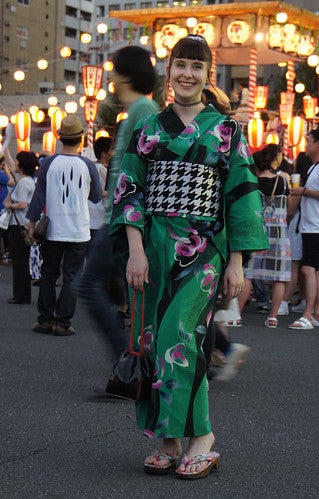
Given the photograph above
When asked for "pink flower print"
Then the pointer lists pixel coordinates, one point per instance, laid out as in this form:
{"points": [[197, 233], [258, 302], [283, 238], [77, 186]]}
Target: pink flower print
{"points": [[174, 355], [149, 433], [210, 280], [120, 188], [148, 339], [243, 150], [157, 385], [130, 215], [188, 248], [147, 142], [224, 134], [208, 318]]}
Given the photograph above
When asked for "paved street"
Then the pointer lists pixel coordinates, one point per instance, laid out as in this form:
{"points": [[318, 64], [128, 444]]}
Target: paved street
{"points": [[58, 441]]}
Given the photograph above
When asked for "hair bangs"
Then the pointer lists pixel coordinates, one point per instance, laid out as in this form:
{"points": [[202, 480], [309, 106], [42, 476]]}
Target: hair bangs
{"points": [[187, 48]]}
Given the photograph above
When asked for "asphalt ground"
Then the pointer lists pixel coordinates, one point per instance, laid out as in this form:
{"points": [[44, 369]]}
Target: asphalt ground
{"points": [[59, 441]]}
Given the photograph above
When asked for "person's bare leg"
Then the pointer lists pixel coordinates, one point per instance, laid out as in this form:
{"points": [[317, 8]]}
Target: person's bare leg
{"points": [[278, 291], [316, 305], [244, 295], [168, 445], [291, 286], [310, 287], [197, 445]]}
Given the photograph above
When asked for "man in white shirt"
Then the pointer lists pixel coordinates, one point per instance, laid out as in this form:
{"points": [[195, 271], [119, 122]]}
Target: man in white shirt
{"points": [[65, 183], [309, 228]]}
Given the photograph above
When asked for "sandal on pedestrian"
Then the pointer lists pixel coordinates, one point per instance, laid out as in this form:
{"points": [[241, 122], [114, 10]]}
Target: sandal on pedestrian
{"points": [[157, 469], [302, 323], [271, 322], [212, 458], [234, 323], [314, 321]]}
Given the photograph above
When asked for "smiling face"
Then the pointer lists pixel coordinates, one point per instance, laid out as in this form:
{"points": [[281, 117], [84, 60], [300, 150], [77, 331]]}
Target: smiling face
{"points": [[188, 78]]}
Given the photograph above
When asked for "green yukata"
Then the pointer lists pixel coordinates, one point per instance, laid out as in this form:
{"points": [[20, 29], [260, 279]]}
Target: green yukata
{"points": [[192, 193]]}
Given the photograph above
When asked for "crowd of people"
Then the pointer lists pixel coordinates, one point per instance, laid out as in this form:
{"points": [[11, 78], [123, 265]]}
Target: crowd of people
{"points": [[177, 207]]}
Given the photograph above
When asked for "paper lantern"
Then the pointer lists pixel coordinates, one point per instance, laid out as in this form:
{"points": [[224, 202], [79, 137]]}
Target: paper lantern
{"points": [[121, 116], [23, 126], [206, 30], [295, 130], [86, 37], [4, 120], [56, 119], [261, 95], [285, 113], [275, 36], [101, 133], [49, 142], [81, 144], [42, 64], [292, 38], [309, 106], [238, 32], [90, 110], [65, 52], [255, 132], [301, 147], [19, 75], [108, 65], [170, 35], [92, 80], [71, 107], [38, 116], [102, 28], [306, 45], [23, 145], [272, 138], [287, 98]]}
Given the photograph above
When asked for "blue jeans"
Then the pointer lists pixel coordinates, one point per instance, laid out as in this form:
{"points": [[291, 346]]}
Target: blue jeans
{"points": [[262, 299], [59, 310], [94, 291]]}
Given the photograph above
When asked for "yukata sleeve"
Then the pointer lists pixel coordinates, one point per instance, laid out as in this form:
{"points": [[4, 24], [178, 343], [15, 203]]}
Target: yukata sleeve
{"points": [[245, 225], [129, 193]]}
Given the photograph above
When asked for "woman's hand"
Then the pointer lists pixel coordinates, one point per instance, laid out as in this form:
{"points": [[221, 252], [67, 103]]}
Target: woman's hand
{"points": [[297, 191], [137, 264], [234, 276], [7, 204], [137, 270]]}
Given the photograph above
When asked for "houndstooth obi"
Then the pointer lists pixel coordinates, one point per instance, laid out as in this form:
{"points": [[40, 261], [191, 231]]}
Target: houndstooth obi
{"points": [[180, 187]]}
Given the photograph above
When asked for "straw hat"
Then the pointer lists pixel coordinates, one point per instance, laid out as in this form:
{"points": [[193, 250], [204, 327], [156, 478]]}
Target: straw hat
{"points": [[71, 128]]}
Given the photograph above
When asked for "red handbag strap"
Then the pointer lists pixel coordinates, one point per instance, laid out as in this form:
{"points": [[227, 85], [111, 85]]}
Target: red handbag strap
{"points": [[133, 321]]}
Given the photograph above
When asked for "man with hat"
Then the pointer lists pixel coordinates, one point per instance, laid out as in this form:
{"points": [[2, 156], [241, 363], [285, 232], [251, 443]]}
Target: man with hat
{"points": [[65, 183]]}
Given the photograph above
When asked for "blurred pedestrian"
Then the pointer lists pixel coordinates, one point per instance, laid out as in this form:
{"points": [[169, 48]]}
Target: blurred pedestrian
{"points": [[65, 183], [185, 182], [18, 201]]}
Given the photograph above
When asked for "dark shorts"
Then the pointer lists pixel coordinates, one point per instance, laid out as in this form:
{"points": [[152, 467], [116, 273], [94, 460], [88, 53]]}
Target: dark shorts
{"points": [[310, 250]]}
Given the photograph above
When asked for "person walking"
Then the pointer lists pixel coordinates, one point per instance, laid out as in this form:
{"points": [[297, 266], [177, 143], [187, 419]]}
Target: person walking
{"points": [[184, 195], [65, 183], [309, 228], [134, 78], [18, 201]]}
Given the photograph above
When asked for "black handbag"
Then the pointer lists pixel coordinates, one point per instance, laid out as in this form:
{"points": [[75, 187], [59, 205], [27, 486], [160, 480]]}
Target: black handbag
{"points": [[23, 230], [133, 373], [41, 228]]}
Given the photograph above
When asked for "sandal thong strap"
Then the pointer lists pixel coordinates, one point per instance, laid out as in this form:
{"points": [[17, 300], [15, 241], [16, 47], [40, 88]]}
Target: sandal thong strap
{"points": [[200, 458], [169, 456], [302, 323]]}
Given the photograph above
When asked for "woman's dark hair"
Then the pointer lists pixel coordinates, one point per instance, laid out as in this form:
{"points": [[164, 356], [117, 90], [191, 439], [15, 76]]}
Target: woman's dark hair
{"points": [[303, 163], [268, 154], [315, 134], [257, 159], [135, 63], [28, 161], [102, 144], [211, 98], [71, 142]]}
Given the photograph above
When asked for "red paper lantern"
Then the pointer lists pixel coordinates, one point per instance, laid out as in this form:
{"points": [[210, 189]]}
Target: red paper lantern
{"points": [[38, 116], [301, 147], [309, 106], [255, 132], [92, 80], [23, 126], [90, 110], [56, 119], [272, 138], [261, 96], [287, 98], [121, 116], [23, 145], [49, 142], [285, 113], [295, 130]]}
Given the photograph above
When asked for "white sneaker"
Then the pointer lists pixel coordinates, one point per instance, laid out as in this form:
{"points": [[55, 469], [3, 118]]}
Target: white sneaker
{"points": [[283, 308], [233, 358], [298, 309]]}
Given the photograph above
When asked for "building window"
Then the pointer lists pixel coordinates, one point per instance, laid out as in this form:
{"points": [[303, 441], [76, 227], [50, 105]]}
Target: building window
{"points": [[69, 75], [163, 3], [101, 11], [24, 2], [70, 32], [85, 16], [70, 11], [129, 6], [114, 6], [22, 32], [22, 64], [146, 5]]}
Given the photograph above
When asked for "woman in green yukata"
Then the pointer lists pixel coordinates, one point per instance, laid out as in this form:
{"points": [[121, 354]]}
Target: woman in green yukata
{"points": [[185, 208]]}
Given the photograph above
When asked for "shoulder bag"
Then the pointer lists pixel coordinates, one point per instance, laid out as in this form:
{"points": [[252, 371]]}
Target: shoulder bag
{"points": [[23, 230], [133, 373], [41, 228]]}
